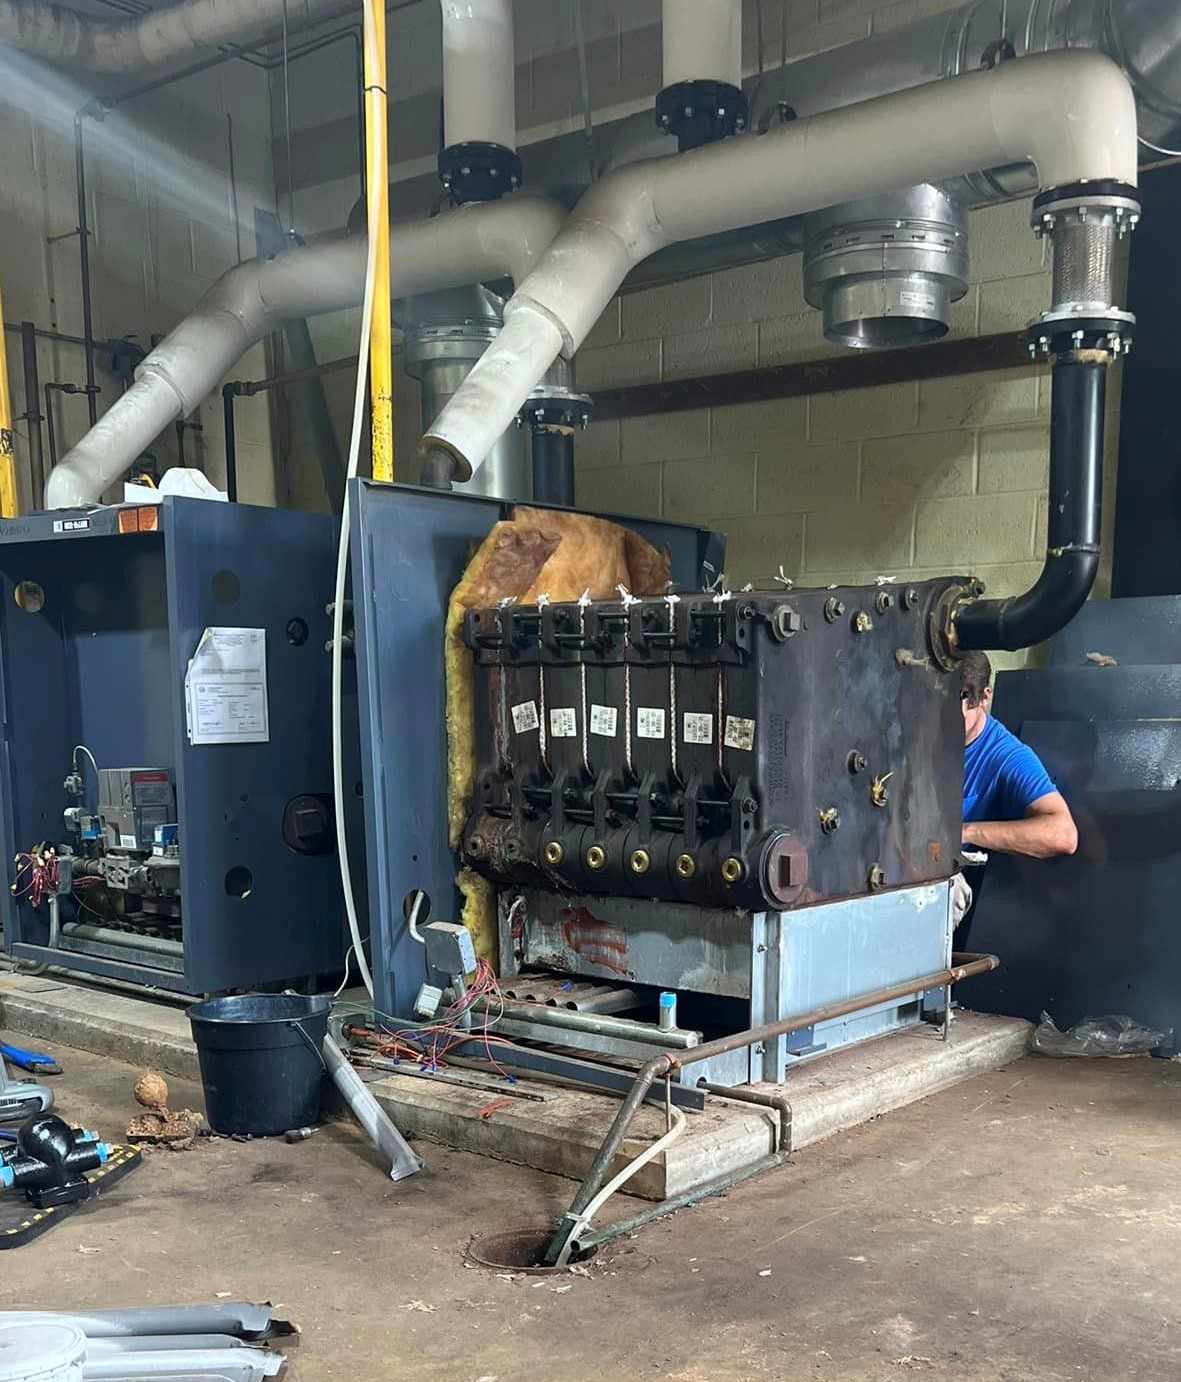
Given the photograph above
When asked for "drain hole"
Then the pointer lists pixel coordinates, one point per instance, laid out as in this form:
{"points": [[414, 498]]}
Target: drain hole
{"points": [[519, 1251]]}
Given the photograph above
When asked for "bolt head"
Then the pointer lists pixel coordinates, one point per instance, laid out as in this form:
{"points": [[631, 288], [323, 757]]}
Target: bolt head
{"points": [[640, 861], [685, 865], [596, 857], [554, 853], [732, 870]]}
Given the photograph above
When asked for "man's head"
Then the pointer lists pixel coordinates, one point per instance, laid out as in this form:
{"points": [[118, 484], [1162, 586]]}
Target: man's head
{"points": [[975, 692]]}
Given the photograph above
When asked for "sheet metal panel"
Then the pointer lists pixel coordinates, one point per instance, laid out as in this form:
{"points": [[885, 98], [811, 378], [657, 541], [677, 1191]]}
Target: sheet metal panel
{"points": [[104, 663], [409, 547]]}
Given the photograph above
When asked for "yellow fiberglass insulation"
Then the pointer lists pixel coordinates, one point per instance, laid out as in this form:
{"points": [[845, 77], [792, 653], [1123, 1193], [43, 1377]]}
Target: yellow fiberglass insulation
{"points": [[537, 552]]}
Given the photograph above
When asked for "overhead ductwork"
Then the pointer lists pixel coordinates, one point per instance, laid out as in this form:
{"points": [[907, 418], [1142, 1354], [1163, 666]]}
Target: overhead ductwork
{"points": [[58, 34], [1143, 36], [479, 160], [701, 98], [468, 245], [1071, 115]]}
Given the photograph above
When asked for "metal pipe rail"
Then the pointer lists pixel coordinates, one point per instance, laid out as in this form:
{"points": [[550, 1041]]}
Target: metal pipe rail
{"points": [[659, 1067]]}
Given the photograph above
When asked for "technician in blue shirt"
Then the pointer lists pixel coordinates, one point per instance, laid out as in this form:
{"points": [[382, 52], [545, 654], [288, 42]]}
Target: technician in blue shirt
{"points": [[1010, 801]]}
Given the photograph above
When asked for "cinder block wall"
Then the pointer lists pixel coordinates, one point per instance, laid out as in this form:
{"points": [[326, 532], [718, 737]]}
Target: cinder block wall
{"points": [[161, 207]]}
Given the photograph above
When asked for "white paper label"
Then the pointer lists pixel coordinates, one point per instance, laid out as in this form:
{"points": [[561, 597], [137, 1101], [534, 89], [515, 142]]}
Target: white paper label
{"points": [[740, 733], [226, 688], [71, 525], [563, 723], [127, 842], [649, 722], [699, 729], [923, 301], [525, 717], [603, 720]]}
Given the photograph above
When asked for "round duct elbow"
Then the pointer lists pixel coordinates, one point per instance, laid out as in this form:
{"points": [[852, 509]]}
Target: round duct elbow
{"points": [[886, 270]]}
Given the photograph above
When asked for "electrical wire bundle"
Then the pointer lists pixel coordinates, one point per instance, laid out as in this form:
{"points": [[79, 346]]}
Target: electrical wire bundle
{"points": [[428, 1044], [37, 874]]}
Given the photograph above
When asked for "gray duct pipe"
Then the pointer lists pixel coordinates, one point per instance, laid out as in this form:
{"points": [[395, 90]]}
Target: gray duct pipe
{"points": [[1072, 115], [1143, 36], [62, 35], [472, 244]]}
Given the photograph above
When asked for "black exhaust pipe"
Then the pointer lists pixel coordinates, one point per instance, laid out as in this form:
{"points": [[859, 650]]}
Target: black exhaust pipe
{"points": [[1072, 536]]}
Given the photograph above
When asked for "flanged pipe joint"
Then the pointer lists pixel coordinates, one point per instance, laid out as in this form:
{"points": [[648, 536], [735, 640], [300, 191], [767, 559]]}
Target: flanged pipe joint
{"points": [[1081, 334], [554, 411]]}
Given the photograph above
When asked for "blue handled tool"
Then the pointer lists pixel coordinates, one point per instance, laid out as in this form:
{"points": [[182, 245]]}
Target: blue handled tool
{"points": [[36, 1062]]}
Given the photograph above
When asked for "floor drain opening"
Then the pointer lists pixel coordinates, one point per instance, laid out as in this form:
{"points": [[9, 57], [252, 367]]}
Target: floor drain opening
{"points": [[519, 1251]]}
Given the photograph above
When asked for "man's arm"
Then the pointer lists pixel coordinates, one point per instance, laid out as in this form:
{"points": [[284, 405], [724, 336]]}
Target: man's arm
{"points": [[1048, 829]]}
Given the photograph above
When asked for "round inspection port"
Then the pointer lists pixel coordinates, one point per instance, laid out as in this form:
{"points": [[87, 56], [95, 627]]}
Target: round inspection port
{"points": [[29, 596], [519, 1251]]}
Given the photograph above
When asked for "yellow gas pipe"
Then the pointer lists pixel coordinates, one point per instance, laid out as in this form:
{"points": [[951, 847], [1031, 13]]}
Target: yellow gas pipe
{"points": [[381, 357], [9, 503]]}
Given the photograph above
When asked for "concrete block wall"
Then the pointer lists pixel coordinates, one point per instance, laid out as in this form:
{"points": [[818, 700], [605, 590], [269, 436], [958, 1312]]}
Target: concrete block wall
{"points": [[165, 221]]}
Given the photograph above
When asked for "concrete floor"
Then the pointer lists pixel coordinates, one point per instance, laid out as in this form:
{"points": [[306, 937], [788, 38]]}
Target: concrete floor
{"points": [[1019, 1227]]}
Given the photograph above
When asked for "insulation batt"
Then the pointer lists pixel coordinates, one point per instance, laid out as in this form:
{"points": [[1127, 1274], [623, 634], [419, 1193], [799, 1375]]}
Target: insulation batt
{"points": [[538, 552]]}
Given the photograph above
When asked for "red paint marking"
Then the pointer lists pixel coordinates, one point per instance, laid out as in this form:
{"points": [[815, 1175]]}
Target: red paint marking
{"points": [[594, 940]]}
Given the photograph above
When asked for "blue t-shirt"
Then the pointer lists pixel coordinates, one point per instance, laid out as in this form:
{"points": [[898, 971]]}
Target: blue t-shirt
{"points": [[1002, 776]]}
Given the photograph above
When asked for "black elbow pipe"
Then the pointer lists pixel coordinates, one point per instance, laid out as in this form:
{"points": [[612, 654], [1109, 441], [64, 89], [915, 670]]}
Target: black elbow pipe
{"points": [[438, 468], [1072, 534], [552, 449]]}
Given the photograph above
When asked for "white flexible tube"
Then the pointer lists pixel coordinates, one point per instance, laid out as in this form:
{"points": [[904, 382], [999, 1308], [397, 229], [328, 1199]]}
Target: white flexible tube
{"points": [[479, 74], [701, 40], [1072, 114], [377, 169], [636, 1164]]}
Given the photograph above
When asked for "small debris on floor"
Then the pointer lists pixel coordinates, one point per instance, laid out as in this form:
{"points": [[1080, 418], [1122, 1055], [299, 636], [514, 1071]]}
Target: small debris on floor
{"points": [[160, 1126], [419, 1305], [913, 1361], [765, 1272]]}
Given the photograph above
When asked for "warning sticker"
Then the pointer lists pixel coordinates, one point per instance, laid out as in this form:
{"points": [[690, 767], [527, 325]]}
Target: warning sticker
{"points": [[525, 717], [603, 720], [740, 733], [649, 722], [699, 729], [563, 723]]}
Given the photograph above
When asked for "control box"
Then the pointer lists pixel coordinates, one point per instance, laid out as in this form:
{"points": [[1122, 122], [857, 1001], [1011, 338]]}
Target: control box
{"points": [[133, 803]]}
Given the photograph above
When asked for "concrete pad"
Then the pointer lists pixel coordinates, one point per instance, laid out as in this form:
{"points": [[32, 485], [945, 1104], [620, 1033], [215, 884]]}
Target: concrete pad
{"points": [[559, 1130], [108, 1022]]}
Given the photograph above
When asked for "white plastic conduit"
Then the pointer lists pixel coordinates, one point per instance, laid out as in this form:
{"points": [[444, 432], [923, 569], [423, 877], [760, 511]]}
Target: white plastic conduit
{"points": [[479, 77], [1071, 114], [62, 35], [472, 244], [701, 40]]}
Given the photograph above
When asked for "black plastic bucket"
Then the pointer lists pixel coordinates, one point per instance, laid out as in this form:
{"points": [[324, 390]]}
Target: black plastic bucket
{"points": [[261, 1065]]}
